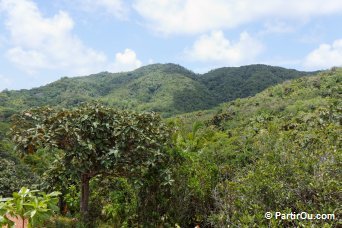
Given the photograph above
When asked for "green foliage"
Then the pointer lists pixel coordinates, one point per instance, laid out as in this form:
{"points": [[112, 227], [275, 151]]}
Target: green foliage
{"points": [[64, 222], [230, 83], [190, 196], [34, 206], [94, 140], [187, 200], [13, 174], [290, 137], [72, 196], [166, 88], [153, 190], [115, 202], [277, 151], [39, 162]]}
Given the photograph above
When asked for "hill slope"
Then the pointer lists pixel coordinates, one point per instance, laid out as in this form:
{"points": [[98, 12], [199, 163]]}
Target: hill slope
{"points": [[166, 88], [229, 83], [279, 151]]}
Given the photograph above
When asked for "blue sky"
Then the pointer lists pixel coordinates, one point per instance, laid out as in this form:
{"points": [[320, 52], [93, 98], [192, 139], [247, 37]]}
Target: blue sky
{"points": [[41, 41]]}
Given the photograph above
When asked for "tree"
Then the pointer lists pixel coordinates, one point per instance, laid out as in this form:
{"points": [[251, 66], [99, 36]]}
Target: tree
{"points": [[95, 140]]}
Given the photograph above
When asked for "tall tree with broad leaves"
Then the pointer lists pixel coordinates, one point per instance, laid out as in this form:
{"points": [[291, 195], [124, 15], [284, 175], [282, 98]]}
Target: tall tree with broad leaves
{"points": [[95, 140]]}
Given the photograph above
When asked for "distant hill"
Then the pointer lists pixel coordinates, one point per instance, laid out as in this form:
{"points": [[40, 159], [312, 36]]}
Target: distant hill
{"points": [[166, 88], [229, 83]]}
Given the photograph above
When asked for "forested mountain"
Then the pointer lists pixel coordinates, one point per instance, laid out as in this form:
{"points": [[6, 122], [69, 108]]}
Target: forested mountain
{"points": [[166, 88], [277, 151], [229, 83]]}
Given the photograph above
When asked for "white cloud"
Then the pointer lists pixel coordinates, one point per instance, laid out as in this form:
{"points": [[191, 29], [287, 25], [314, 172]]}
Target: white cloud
{"points": [[125, 61], [197, 16], [40, 42], [277, 26], [117, 8], [325, 56], [216, 48]]}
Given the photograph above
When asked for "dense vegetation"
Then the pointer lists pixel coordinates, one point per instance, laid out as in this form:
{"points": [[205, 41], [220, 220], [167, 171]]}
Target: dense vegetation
{"points": [[230, 83], [94, 141], [166, 88], [279, 151]]}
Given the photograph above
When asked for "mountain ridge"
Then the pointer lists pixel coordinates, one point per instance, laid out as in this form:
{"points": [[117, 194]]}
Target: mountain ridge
{"points": [[166, 88]]}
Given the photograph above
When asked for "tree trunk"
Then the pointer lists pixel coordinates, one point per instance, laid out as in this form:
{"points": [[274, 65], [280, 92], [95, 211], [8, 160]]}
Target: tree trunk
{"points": [[84, 195], [63, 208]]}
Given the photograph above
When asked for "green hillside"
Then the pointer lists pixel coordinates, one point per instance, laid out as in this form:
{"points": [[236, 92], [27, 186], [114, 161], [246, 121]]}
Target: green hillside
{"points": [[229, 83], [277, 151], [166, 88]]}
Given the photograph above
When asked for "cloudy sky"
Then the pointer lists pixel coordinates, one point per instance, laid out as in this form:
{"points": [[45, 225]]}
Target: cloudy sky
{"points": [[41, 41]]}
